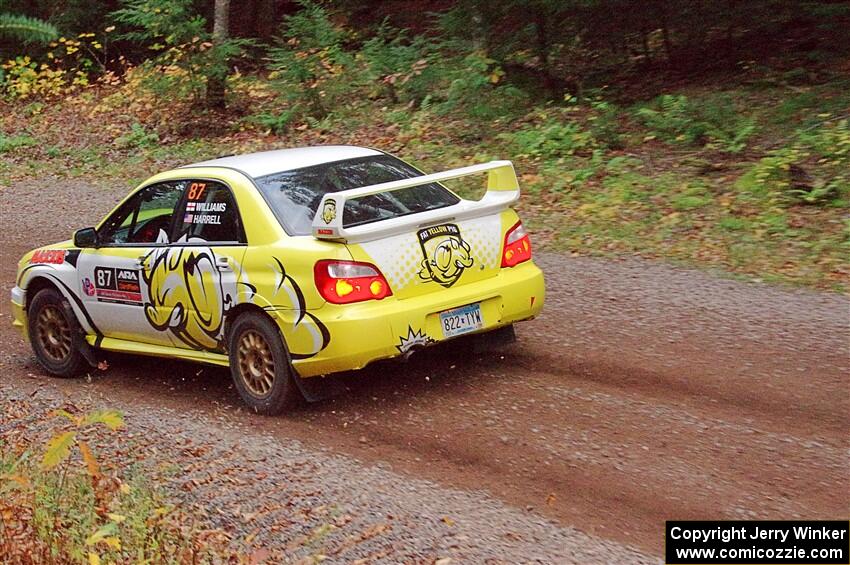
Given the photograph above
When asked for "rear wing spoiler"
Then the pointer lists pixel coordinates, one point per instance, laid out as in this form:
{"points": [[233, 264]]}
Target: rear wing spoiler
{"points": [[502, 192]]}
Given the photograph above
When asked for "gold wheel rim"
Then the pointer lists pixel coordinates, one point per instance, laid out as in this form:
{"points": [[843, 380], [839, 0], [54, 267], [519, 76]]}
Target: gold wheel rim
{"points": [[256, 364], [53, 333]]}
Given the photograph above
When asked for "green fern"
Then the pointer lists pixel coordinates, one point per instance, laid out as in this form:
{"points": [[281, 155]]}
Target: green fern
{"points": [[26, 29]]}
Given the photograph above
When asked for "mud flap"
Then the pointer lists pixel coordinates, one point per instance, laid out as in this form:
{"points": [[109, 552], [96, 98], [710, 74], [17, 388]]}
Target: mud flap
{"points": [[494, 340], [315, 389], [79, 336]]}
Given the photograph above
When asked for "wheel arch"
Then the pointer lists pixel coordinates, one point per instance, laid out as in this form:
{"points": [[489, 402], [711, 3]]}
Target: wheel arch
{"points": [[36, 285], [243, 308]]}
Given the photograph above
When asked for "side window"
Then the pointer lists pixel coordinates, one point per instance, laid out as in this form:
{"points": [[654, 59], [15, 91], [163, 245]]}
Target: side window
{"points": [[209, 214], [145, 217]]}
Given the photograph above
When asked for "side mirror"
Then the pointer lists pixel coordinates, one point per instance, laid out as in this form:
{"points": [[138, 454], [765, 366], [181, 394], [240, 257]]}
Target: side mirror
{"points": [[86, 237]]}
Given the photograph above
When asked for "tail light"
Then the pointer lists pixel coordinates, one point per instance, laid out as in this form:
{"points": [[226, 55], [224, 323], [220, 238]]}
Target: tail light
{"points": [[517, 248], [343, 282]]}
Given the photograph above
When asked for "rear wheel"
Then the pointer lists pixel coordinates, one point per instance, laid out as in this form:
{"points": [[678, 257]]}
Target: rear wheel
{"points": [[260, 365], [54, 334]]}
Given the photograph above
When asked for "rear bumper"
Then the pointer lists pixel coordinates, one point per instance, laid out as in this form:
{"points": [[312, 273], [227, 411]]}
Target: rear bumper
{"points": [[363, 333], [19, 318]]}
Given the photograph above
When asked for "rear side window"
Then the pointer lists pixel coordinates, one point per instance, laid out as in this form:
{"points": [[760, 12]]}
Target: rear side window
{"points": [[294, 195], [208, 213]]}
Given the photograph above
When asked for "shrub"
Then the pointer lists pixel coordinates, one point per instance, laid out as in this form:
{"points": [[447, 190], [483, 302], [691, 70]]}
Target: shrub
{"points": [[552, 139], [138, 137], [397, 67], [64, 507], [310, 64], [714, 123], [813, 169], [15, 142], [186, 57], [475, 88]]}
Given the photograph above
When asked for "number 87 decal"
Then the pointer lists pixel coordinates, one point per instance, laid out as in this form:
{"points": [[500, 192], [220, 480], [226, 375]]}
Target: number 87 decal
{"points": [[196, 190]]}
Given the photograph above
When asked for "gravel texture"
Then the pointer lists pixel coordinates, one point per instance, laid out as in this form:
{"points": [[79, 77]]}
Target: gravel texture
{"points": [[643, 392]]}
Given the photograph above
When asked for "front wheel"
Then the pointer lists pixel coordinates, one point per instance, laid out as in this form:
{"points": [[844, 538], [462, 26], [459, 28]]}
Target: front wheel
{"points": [[260, 365], [54, 334]]}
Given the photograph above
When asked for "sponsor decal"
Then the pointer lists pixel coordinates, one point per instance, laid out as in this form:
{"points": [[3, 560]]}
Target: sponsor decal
{"points": [[329, 210], [446, 254], [88, 287], [116, 285], [413, 339], [48, 257]]}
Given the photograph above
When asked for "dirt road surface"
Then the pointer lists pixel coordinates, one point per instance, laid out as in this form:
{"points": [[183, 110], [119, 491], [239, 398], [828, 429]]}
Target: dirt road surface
{"points": [[642, 393]]}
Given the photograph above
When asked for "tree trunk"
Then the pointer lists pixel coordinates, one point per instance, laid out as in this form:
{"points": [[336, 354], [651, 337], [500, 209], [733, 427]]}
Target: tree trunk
{"points": [[218, 73], [543, 48]]}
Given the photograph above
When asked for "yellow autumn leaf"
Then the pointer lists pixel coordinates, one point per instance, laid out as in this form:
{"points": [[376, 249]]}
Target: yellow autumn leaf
{"points": [[112, 419], [58, 449], [106, 531], [91, 463], [117, 518], [65, 414], [94, 559]]}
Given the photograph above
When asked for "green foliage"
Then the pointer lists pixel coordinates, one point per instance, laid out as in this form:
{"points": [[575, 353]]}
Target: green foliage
{"points": [[812, 169], [11, 143], [138, 137], [714, 123], [185, 57], [26, 29], [397, 67], [276, 122], [476, 88], [552, 139], [309, 63]]}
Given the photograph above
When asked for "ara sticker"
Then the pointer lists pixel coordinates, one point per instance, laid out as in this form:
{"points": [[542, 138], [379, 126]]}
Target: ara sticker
{"points": [[414, 339], [48, 257], [446, 254], [329, 210], [119, 286]]}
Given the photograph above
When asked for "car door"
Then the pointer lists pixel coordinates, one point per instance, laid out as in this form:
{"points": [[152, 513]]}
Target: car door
{"points": [[112, 277], [197, 279]]}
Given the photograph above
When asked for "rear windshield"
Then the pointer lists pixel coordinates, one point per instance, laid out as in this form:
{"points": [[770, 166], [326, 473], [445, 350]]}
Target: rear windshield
{"points": [[294, 195]]}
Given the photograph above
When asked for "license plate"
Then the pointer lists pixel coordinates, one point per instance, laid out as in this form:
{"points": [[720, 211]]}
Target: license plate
{"points": [[461, 320]]}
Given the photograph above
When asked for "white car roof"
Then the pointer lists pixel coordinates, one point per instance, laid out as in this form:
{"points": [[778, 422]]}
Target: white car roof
{"points": [[268, 162]]}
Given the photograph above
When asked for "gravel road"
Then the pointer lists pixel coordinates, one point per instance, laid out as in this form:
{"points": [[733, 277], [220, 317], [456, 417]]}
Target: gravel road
{"points": [[642, 393]]}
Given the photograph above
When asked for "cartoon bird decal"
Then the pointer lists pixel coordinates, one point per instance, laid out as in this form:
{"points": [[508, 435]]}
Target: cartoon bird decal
{"points": [[446, 254], [186, 295]]}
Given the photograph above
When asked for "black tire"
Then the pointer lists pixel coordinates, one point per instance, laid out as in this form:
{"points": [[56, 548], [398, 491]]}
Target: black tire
{"points": [[254, 342], [55, 334]]}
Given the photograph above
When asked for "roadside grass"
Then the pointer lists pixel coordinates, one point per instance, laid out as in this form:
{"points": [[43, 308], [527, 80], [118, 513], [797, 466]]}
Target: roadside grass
{"points": [[59, 503], [753, 181]]}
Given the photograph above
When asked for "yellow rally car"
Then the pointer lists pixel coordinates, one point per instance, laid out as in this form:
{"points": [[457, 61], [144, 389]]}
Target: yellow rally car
{"points": [[283, 265]]}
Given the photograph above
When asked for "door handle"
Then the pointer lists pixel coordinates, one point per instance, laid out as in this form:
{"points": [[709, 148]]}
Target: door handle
{"points": [[140, 262], [222, 263]]}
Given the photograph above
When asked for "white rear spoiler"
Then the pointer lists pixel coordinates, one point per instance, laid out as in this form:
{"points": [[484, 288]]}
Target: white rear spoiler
{"points": [[502, 191]]}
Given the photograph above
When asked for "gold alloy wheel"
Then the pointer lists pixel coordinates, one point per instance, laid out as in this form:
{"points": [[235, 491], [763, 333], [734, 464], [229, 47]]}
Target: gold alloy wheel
{"points": [[53, 333], [256, 364]]}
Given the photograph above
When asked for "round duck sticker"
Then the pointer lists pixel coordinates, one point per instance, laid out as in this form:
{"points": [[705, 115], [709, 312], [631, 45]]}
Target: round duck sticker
{"points": [[446, 254], [329, 210]]}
